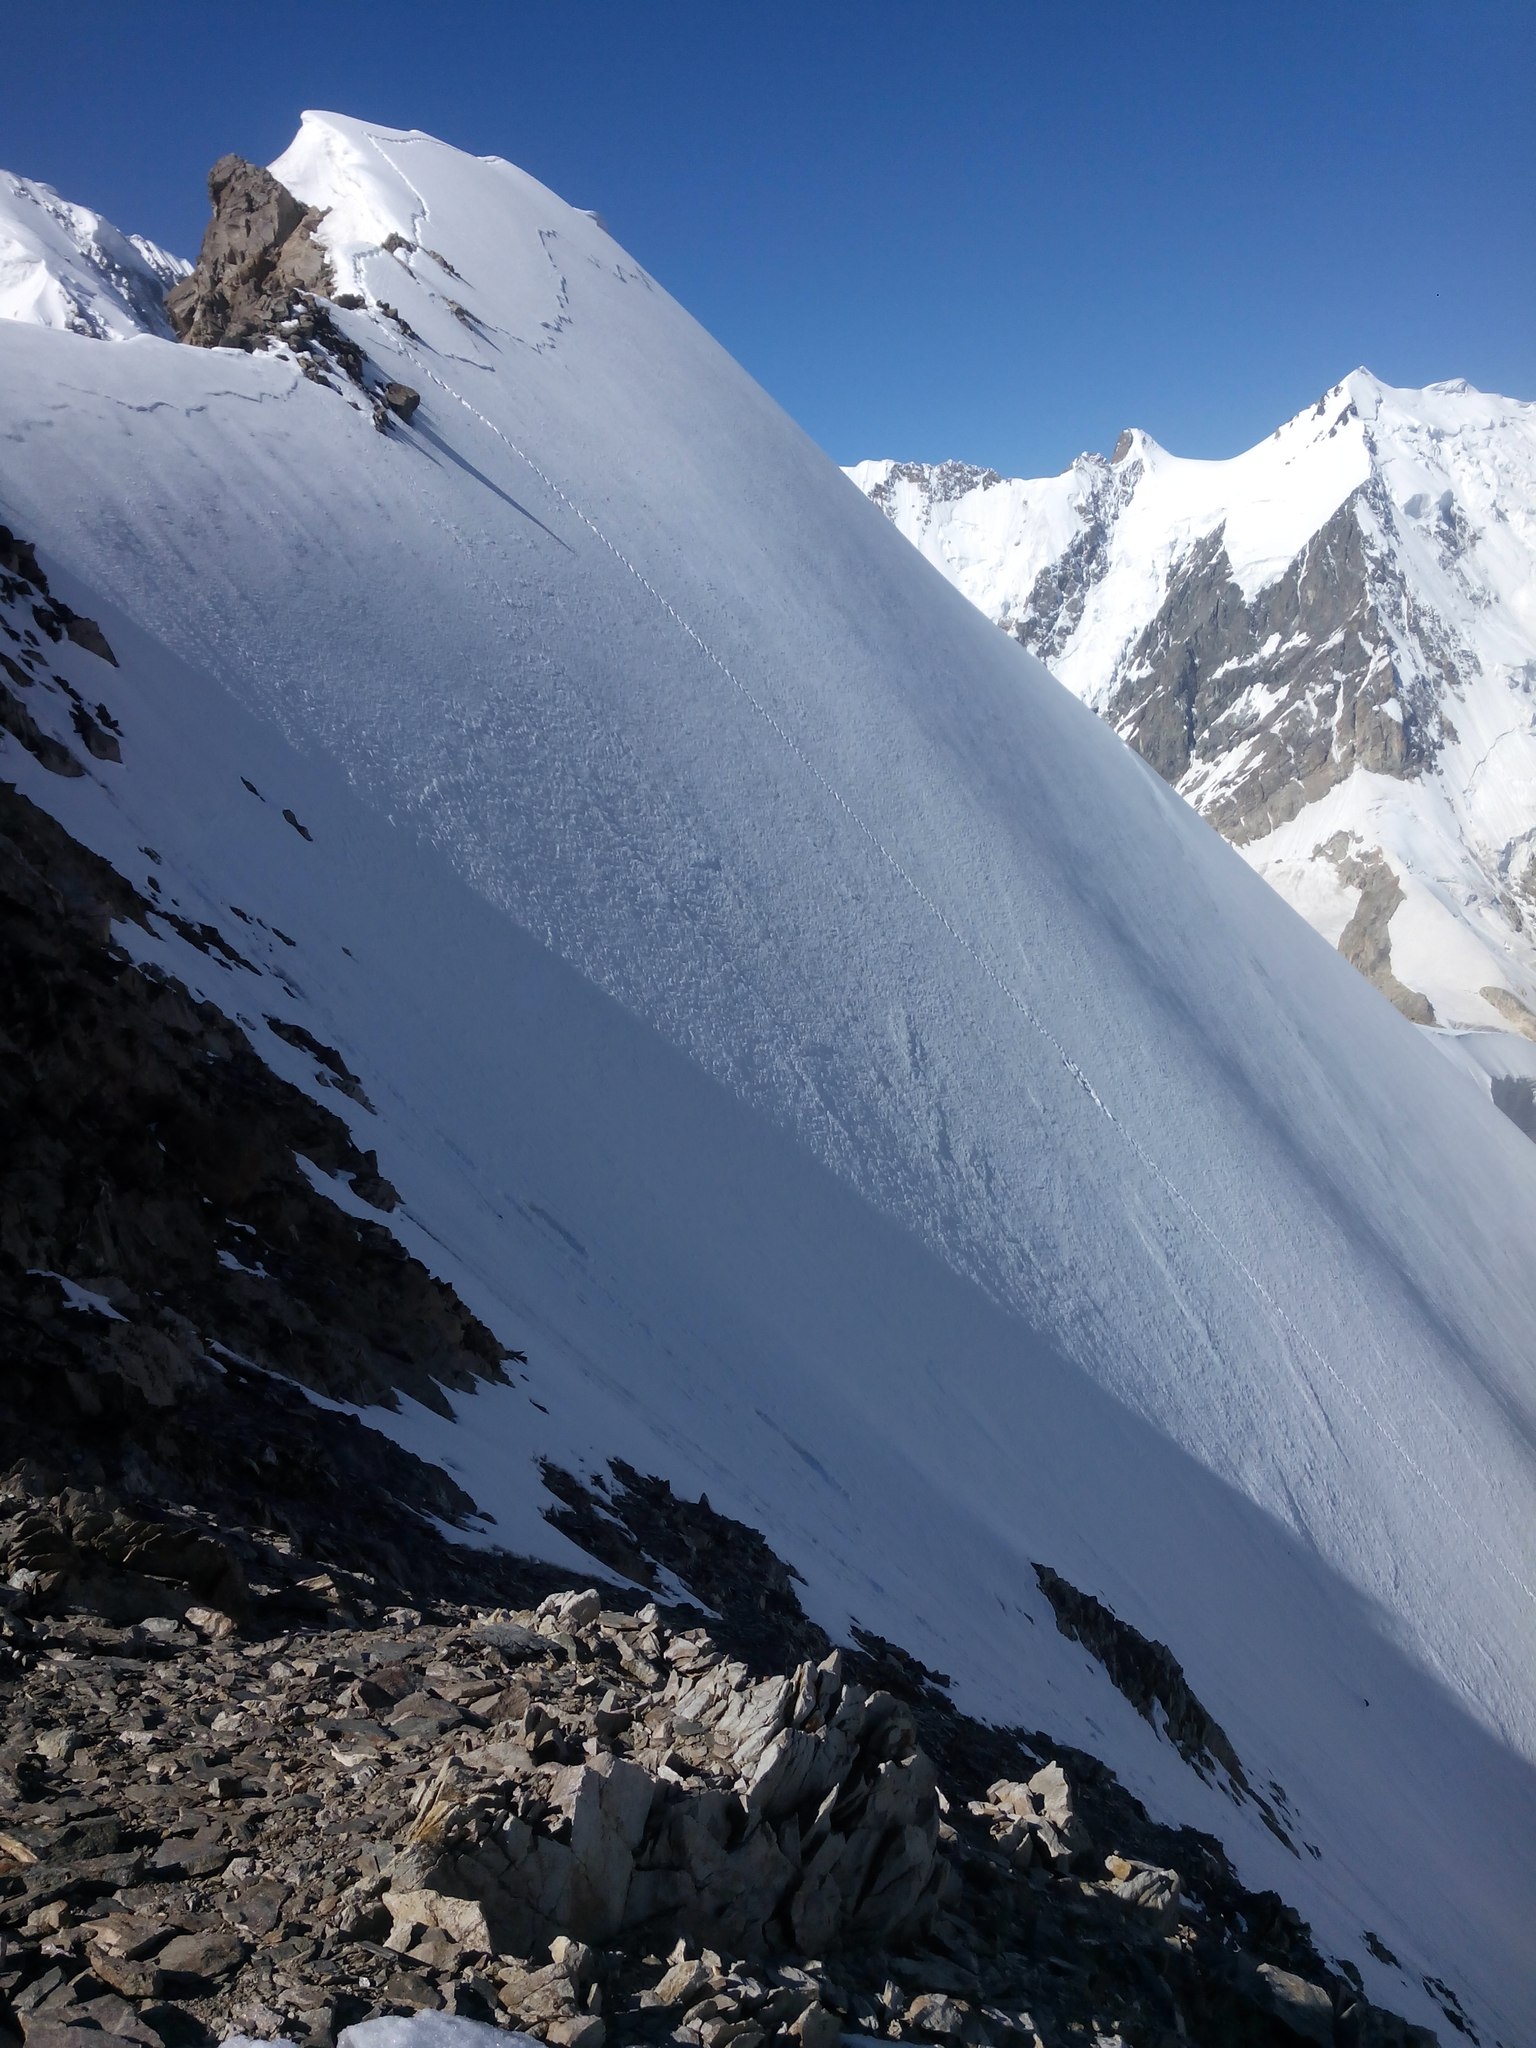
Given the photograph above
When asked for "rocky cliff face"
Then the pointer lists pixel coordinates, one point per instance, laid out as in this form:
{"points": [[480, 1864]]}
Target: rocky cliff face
{"points": [[1330, 697], [1321, 644], [258, 254]]}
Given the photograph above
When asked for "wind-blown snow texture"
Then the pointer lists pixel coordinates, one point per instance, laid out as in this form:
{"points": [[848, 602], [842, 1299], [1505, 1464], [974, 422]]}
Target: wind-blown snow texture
{"points": [[866, 1091], [1409, 520]]}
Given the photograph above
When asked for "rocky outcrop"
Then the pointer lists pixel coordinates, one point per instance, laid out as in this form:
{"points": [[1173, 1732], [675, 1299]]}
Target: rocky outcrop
{"points": [[575, 1818], [792, 1814], [1366, 941], [32, 618], [259, 256], [1149, 1675], [1255, 708], [81, 1552], [22, 583], [262, 277]]}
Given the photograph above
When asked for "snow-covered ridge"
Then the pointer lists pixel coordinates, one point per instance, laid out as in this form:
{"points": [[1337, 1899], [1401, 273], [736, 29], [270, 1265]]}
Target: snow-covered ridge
{"points": [[1327, 643], [864, 1091], [63, 266]]}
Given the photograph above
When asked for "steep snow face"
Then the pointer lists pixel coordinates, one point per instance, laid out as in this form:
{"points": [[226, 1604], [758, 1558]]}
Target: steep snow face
{"points": [[1328, 644], [862, 1087], [64, 266]]}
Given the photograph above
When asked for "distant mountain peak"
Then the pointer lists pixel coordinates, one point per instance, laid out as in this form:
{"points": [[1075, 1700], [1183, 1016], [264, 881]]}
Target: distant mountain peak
{"points": [[1328, 634], [62, 265]]}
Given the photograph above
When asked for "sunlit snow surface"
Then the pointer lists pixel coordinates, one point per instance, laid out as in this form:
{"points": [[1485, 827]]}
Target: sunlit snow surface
{"points": [[63, 266], [1452, 473], [865, 1091]]}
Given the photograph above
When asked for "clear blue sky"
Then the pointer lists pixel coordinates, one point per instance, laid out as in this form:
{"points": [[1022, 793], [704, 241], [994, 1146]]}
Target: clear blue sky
{"points": [[999, 231]]}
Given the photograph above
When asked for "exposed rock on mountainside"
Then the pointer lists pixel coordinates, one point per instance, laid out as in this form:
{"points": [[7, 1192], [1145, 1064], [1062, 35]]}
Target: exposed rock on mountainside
{"points": [[23, 585], [261, 277], [1146, 1673], [1329, 699], [277, 1802], [259, 254], [1326, 635], [940, 482], [1366, 940]]}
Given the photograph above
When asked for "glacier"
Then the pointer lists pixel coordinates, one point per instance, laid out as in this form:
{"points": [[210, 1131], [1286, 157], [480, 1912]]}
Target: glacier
{"points": [[863, 1088]]}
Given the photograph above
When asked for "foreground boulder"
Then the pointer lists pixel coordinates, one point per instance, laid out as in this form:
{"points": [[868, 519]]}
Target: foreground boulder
{"points": [[793, 1814]]}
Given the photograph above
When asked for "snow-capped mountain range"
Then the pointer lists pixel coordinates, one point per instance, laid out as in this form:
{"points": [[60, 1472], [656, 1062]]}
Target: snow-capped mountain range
{"points": [[1327, 644], [63, 266], [804, 1028]]}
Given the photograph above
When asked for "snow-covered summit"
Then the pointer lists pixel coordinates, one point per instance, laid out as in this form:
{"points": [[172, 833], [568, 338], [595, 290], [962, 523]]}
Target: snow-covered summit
{"points": [[63, 266], [863, 1090], [1327, 643]]}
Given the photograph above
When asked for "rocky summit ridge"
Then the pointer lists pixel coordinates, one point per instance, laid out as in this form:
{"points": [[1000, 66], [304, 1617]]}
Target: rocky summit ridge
{"points": [[1326, 644]]}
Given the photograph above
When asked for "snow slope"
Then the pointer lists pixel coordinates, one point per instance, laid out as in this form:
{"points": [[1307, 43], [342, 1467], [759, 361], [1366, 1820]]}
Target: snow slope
{"points": [[1416, 511], [863, 1088], [64, 266]]}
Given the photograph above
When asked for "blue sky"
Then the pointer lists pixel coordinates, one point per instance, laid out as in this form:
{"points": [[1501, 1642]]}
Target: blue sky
{"points": [[995, 231]]}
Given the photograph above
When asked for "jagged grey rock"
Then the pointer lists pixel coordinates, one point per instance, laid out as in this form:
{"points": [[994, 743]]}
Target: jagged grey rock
{"points": [[813, 1811], [258, 253], [262, 277], [1366, 941], [1335, 611]]}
